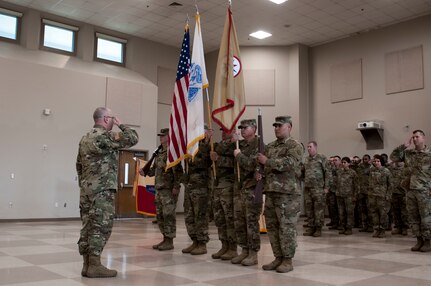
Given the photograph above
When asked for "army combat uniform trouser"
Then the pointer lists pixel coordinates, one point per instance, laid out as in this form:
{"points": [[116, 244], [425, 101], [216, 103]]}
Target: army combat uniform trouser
{"points": [[166, 204], [314, 199], [419, 210], [196, 213], [281, 215], [97, 216], [223, 214], [247, 215]]}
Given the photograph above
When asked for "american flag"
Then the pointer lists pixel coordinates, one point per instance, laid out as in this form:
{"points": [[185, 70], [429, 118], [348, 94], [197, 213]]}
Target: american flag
{"points": [[177, 146]]}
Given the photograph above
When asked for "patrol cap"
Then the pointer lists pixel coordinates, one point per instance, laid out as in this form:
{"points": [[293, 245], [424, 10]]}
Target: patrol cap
{"points": [[282, 120], [163, 132], [247, 122]]}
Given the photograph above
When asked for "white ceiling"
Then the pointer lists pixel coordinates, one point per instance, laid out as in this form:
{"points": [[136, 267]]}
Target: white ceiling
{"points": [[309, 22]]}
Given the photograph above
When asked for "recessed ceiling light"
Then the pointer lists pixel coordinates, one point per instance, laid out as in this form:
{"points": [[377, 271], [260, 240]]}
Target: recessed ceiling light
{"points": [[260, 35], [278, 1]]}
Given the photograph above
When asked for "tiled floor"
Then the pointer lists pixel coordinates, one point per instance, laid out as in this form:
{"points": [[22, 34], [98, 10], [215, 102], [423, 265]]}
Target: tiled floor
{"points": [[45, 254]]}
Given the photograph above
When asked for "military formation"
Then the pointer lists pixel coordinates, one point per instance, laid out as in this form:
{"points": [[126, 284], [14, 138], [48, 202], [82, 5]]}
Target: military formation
{"points": [[220, 183]]}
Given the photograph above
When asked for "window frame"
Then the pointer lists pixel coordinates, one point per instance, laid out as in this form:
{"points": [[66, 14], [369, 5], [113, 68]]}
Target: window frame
{"points": [[60, 25], [123, 42], [18, 15]]}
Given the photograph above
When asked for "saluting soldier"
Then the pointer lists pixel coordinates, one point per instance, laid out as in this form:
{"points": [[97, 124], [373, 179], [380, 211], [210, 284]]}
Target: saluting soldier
{"points": [[282, 168], [418, 163], [97, 167]]}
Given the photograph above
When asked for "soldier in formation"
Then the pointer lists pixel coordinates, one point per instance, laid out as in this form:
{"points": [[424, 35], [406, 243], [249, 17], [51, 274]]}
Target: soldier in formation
{"points": [[196, 197], [223, 201], [379, 196], [247, 211], [282, 161], [167, 184], [316, 175]]}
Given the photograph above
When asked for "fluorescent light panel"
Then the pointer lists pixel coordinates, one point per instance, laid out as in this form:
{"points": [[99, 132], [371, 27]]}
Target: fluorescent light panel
{"points": [[278, 1], [260, 35]]}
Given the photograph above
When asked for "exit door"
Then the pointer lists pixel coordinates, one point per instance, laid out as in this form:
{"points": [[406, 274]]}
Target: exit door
{"points": [[125, 203]]}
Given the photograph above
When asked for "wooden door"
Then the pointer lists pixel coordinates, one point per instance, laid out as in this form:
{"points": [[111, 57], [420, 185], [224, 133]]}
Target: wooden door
{"points": [[125, 203]]}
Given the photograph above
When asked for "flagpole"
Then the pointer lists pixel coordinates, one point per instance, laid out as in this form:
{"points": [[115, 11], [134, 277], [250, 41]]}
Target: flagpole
{"points": [[210, 127], [237, 163]]}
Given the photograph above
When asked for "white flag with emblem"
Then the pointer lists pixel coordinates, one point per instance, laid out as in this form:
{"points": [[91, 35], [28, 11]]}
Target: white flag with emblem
{"points": [[198, 82]]}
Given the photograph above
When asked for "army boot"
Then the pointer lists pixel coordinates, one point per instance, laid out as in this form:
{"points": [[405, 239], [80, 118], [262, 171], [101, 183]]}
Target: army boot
{"points": [[224, 248], [404, 231], [363, 229], [382, 233], [396, 230], [156, 246], [342, 230], [190, 248], [251, 259], [241, 257], [168, 244], [273, 265], [348, 231], [200, 249], [85, 265], [318, 232], [376, 233], [309, 232], [419, 244], [285, 266], [97, 270], [230, 253], [426, 247]]}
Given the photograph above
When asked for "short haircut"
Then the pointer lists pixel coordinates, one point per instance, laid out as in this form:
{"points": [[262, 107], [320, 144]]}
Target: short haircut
{"points": [[347, 159], [99, 113], [367, 155], [313, 142], [419, 131], [336, 156]]}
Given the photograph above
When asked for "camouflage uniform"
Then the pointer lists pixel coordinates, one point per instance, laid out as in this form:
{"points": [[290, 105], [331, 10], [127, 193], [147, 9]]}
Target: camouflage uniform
{"points": [[97, 167], [282, 194], [223, 192], [399, 207], [363, 172], [347, 189], [418, 165], [379, 197], [247, 212], [166, 202], [317, 176], [196, 195], [331, 199]]}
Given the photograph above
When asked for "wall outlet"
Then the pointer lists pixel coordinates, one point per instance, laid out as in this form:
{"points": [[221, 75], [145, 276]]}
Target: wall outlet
{"points": [[10, 204]]}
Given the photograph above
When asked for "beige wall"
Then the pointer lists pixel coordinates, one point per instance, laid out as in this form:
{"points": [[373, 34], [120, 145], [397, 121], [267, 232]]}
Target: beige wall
{"points": [[71, 87], [291, 90], [334, 125]]}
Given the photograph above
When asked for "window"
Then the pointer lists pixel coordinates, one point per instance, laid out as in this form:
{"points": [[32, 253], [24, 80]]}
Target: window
{"points": [[59, 37], [110, 49], [9, 25]]}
